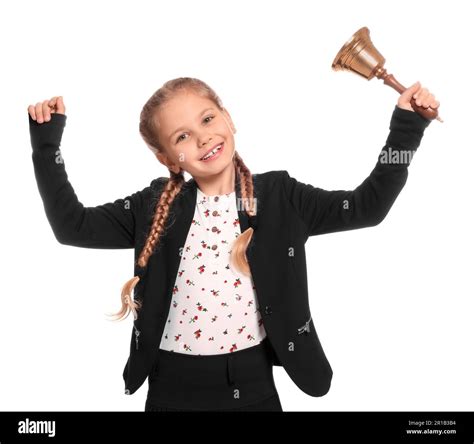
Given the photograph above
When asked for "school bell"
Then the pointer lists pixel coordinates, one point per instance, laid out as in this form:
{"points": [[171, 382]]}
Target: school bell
{"points": [[360, 56]]}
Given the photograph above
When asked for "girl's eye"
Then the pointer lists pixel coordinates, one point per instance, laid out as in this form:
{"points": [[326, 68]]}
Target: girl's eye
{"points": [[204, 120]]}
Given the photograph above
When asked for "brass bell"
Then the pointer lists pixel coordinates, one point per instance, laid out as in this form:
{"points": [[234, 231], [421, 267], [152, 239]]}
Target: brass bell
{"points": [[360, 56]]}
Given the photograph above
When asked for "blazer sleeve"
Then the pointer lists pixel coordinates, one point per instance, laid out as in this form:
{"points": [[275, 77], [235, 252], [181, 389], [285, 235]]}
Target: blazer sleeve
{"points": [[107, 226], [324, 211]]}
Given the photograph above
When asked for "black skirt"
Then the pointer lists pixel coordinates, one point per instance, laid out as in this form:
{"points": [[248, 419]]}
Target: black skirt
{"points": [[236, 381]]}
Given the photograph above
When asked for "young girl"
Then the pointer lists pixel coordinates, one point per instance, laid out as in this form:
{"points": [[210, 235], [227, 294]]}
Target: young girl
{"points": [[217, 301]]}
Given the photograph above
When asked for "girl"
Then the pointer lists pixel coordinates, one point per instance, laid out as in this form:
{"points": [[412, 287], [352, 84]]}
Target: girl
{"points": [[204, 293]]}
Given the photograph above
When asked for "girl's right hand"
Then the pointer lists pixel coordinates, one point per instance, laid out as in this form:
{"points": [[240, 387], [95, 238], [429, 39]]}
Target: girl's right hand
{"points": [[43, 110]]}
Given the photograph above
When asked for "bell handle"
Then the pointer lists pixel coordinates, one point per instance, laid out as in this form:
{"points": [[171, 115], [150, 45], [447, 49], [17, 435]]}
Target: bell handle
{"points": [[390, 80]]}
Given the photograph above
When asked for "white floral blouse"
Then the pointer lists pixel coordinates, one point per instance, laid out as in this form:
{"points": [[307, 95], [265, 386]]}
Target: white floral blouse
{"points": [[213, 308]]}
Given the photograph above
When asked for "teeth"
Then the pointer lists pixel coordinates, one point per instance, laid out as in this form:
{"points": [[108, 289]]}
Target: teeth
{"points": [[214, 151]]}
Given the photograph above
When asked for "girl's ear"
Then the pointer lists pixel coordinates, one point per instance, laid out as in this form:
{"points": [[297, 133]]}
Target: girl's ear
{"points": [[163, 158]]}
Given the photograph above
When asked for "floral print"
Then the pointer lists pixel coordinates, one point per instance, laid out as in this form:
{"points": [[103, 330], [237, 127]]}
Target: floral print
{"points": [[214, 308]]}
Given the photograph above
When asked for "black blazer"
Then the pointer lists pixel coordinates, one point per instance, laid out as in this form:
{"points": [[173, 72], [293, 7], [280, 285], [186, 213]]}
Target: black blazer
{"points": [[288, 212]]}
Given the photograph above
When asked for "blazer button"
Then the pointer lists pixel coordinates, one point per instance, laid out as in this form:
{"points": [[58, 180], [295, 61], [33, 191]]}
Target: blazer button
{"points": [[268, 310], [127, 391]]}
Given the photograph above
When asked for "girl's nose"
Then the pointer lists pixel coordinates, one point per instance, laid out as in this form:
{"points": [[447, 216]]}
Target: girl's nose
{"points": [[205, 141]]}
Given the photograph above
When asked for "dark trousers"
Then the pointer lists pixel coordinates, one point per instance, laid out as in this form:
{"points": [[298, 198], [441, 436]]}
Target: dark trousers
{"points": [[236, 381]]}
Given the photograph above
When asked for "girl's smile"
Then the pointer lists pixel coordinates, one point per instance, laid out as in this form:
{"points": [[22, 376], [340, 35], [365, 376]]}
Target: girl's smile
{"points": [[213, 153]]}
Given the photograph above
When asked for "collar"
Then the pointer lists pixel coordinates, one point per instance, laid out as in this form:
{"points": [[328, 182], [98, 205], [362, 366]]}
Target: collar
{"points": [[222, 202], [245, 220]]}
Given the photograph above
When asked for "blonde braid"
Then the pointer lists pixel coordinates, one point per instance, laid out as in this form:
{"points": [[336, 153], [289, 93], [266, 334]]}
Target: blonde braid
{"points": [[238, 257], [170, 191]]}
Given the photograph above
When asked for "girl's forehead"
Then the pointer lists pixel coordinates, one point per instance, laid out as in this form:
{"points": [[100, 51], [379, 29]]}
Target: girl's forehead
{"points": [[181, 108], [188, 99]]}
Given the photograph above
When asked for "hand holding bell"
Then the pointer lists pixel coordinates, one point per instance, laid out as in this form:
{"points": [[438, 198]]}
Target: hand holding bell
{"points": [[421, 96], [361, 57]]}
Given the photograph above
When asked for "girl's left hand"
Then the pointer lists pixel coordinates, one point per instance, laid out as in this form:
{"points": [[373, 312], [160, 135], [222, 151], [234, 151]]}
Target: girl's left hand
{"points": [[423, 98]]}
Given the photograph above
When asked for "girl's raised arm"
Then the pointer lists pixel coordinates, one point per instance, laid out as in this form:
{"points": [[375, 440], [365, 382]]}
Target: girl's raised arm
{"points": [[326, 211], [112, 225]]}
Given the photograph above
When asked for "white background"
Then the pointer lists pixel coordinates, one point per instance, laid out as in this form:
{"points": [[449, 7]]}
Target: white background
{"points": [[392, 304]]}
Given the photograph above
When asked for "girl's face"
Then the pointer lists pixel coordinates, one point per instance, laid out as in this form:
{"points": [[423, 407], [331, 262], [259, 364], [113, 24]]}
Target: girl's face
{"points": [[191, 125]]}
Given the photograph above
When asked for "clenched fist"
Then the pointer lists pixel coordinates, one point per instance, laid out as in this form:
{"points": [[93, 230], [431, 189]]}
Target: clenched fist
{"points": [[41, 112], [422, 96]]}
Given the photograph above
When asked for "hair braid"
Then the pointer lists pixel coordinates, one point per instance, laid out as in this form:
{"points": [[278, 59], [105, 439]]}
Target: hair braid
{"points": [[170, 191], [237, 256]]}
